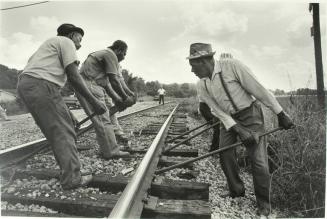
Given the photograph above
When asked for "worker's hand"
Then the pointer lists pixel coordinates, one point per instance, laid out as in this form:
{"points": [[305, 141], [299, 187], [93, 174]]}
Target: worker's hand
{"points": [[247, 137], [214, 120], [129, 101], [99, 107], [134, 96], [205, 111], [113, 110], [120, 105], [285, 121]]}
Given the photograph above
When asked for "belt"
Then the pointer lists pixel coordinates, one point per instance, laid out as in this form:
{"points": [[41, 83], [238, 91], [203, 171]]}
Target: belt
{"points": [[243, 110]]}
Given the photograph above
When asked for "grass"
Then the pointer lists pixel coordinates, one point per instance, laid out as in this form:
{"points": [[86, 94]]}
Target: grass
{"points": [[14, 107], [297, 157]]}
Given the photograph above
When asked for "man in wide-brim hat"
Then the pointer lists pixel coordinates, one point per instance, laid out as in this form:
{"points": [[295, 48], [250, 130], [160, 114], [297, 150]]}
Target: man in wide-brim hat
{"points": [[48, 69], [231, 91]]}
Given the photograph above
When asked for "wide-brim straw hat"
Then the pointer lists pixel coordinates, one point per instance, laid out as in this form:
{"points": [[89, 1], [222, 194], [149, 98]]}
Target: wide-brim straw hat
{"points": [[199, 50]]}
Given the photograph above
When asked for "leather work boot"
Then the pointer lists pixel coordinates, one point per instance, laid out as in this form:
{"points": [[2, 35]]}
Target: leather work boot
{"points": [[263, 212], [232, 195], [124, 148], [85, 180], [121, 138], [119, 154]]}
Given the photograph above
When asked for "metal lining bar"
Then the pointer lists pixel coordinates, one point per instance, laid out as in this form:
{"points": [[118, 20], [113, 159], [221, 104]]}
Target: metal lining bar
{"points": [[89, 127], [211, 153], [185, 133], [44, 140], [193, 136], [132, 195], [35, 146]]}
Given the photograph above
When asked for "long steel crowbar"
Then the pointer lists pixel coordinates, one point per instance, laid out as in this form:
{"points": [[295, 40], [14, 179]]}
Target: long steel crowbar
{"points": [[211, 153], [185, 133], [193, 136], [78, 125]]}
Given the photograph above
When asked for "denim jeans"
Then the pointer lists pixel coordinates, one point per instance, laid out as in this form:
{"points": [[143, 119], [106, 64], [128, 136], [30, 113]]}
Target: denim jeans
{"points": [[42, 98], [252, 119]]}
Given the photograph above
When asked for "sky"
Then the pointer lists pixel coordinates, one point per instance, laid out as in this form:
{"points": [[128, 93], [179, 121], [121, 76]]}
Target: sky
{"points": [[271, 37]]}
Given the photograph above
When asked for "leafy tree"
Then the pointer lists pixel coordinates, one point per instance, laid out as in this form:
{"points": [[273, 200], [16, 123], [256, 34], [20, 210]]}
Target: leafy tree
{"points": [[9, 77], [152, 87], [279, 92]]}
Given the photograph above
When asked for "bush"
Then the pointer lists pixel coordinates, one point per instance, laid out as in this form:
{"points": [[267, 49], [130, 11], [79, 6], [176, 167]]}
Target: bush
{"points": [[14, 107], [298, 159], [190, 105]]}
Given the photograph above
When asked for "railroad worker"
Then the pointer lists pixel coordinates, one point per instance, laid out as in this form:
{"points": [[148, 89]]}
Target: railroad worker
{"points": [[231, 91], [100, 71], [161, 93], [206, 113], [119, 133], [47, 70], [3, 114]]}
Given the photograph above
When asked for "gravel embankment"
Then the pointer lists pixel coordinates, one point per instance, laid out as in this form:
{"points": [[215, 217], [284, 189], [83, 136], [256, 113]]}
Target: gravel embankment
{"points": [[207, 170], [90, 162], [22, 128], [211, 172]]}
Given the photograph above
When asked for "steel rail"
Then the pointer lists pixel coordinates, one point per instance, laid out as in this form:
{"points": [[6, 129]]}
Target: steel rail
{"points": [[130, 204], [9, 155], [89, 127]]}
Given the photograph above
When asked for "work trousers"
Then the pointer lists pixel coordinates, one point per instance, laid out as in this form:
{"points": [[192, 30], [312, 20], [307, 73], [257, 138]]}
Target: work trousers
{"points": [[162, 98], [102, 125], [215, 138], [252, 119], [113, 118], [43, 100]]}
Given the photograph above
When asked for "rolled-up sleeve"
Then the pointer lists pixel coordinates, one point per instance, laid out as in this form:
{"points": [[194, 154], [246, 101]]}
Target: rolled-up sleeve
{"points": [[251, 85], [110, 64], [68, 52]]}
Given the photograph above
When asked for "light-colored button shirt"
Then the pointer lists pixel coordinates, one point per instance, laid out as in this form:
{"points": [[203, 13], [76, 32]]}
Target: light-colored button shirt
{"points": [[161, 91], [242, 86], [50, 60]]}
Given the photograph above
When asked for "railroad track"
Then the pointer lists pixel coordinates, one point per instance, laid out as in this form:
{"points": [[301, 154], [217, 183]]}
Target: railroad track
{"points": [[121, 188]]}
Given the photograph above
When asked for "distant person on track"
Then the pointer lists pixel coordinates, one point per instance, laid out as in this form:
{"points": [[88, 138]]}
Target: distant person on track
{"points": [[47, 70], [229, 88], [161, 93], [100, 71], [3, 114]]}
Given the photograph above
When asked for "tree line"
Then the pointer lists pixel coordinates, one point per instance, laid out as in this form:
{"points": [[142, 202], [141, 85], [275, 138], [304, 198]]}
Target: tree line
{"points": [[9, 78]]}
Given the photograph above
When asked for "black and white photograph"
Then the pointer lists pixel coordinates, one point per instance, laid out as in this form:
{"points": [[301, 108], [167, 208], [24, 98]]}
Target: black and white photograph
{"points": [[161, 109]]}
